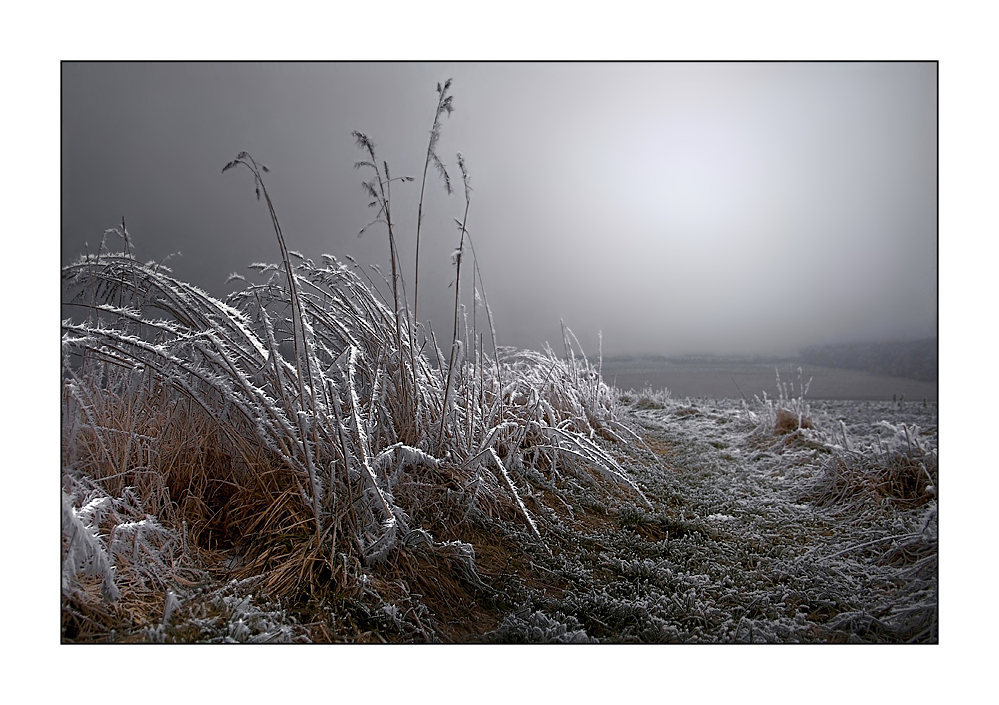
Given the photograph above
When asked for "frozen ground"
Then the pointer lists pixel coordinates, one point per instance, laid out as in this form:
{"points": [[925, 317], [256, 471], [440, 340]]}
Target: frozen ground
{"points": [[746, 542], [751, 537]]}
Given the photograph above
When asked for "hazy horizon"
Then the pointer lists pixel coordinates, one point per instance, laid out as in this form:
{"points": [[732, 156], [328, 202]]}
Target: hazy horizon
{"points": [[678, 208]]}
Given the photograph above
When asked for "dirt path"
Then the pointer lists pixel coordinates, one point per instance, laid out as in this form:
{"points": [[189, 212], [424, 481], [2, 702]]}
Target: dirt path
{"points": [[744, 542]]}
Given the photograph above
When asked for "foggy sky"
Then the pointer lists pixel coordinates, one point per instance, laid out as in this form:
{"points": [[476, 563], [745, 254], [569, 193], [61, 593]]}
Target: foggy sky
{"points": [[676, 207]]}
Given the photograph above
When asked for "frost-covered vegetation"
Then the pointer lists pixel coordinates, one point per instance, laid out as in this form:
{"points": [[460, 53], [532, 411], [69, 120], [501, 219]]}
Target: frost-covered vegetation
{"points": [[781, 523], [305, 462], [305, 429]]}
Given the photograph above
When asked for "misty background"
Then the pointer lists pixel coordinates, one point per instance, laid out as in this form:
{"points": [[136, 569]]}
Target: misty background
{"points": [[726, 208]]}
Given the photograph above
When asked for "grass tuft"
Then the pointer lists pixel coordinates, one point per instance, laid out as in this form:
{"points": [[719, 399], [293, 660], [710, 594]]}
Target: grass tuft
{"points": [[295, 431]]}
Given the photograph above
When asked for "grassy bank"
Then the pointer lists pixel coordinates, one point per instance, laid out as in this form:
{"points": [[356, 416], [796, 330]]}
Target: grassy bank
{"points": [[305, 433]]}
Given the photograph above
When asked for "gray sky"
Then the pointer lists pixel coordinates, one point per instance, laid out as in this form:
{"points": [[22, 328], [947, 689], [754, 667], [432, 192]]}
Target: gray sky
{"points": [[676, 207]]}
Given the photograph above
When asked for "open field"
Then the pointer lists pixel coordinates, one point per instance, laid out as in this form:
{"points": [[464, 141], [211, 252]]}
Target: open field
{"points": [[750, 536]]}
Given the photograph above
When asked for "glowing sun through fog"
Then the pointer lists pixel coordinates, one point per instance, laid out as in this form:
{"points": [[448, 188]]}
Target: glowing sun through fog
{"points": [[676, 207]]}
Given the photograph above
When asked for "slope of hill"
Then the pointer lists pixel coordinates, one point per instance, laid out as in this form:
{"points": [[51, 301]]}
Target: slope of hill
{"points": [[913, 360]]}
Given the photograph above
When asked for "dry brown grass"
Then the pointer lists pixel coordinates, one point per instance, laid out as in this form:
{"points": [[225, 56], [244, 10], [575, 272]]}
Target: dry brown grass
{"points": [[855, 480], [788, 421], [320, 469]]}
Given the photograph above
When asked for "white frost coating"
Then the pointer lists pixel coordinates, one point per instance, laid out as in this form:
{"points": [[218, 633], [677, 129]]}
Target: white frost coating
{"points": [[138, 532], [170, 605], [378, 548], [92, 513], [406, 456], [589, 451], [355, 406], [230, 360], [86, 555], [513, 491]]}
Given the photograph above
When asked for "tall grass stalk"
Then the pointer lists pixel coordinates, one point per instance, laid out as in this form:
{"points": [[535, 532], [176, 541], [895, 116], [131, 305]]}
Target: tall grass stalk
{"points": [[300, 335], [443, 106], [380, 190], [457, 295], [338, 454], [485, 304]]}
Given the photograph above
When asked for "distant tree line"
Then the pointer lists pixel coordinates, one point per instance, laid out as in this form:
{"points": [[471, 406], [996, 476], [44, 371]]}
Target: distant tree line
{"points": [[914, 360]]}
